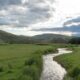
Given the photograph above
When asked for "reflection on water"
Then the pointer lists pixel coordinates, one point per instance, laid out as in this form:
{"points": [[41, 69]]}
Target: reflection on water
{"points": [[51, 69]]}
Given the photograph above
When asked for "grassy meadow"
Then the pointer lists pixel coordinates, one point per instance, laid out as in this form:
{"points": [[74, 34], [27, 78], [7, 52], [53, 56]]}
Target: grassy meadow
{"points": [[22, 61], [71, 62]]}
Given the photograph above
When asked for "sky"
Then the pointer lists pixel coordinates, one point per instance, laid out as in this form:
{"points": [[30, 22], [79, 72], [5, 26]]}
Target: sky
{"points": [[23, 17]]}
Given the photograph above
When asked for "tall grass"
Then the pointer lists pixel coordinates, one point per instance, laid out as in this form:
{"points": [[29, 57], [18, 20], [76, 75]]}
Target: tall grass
{"points": [[33, 66], [72, 63], [22, 62]]}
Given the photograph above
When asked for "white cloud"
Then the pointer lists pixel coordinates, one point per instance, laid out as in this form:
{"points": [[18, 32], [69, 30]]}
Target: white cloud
{"points": [[36, 14]]}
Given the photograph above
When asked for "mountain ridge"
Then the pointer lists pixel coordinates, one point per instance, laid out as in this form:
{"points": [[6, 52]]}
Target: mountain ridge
{"points": [[6, 37]]}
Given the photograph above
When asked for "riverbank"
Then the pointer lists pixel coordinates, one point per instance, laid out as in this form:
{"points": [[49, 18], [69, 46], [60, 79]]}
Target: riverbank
{"points": [[51, 69], [71, 62], [22, 61]]}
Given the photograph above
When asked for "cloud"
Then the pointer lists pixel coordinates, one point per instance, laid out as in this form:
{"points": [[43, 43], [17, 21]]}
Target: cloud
{"points": [[74, 21], [70, 29], [23, 13], [7, 3], [72, 25], [40, 15], [7, 21]]}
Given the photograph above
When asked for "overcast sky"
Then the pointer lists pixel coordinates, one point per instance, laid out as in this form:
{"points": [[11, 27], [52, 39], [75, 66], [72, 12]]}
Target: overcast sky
{"points": [[22, 17]]}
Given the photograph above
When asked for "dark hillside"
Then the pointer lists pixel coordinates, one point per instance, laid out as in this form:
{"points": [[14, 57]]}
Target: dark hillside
{"points": [[6, 37]]}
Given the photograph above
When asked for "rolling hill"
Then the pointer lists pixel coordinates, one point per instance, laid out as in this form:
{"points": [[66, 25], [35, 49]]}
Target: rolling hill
{"points": [[11, 38], [6, 37], [52, 38]]}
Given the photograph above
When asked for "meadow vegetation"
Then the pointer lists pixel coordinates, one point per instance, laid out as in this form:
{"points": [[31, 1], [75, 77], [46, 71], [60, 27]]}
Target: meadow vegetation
{"points": [[71, 62], [22, 61]]}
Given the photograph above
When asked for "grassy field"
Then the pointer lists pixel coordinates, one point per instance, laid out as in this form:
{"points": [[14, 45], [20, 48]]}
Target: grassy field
{"points": [[22, 62], [72, 64]]}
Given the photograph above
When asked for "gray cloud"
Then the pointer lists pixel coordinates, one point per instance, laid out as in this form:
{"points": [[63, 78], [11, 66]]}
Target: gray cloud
{"points": [[72, 28], [7, 3], [27, 13], [7, 21], [74, 20]]}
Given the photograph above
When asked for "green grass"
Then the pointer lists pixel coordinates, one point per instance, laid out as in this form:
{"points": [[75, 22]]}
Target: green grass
{"points": [[72, 64], [22, 61]]}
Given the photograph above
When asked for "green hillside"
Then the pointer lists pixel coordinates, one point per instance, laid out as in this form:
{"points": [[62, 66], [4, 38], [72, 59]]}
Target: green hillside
{"points": [[53, 38], [11, 38], [6, 37]]}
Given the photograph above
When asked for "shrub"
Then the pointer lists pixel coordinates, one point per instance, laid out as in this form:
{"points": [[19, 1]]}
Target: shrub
{"points": [[78, 77], [50, 50], [1, 69], [9, 71], [27, 70], [35, 59], [10, 68], [31, 71], [30, 61], [75, 72]]}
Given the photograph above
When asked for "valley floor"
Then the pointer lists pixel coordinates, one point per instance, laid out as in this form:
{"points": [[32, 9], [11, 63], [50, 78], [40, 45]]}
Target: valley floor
{"points": [[24, 61]]}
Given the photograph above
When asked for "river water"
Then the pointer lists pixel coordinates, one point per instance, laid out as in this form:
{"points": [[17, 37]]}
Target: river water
{"points": [[51, 69]]}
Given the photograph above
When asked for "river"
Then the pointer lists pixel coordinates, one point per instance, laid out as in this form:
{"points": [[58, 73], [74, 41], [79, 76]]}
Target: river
{"points": [[51, 69]]}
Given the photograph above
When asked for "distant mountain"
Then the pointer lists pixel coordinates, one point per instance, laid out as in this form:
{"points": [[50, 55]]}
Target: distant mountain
{"points": [[6, 37], [53, 38]]}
